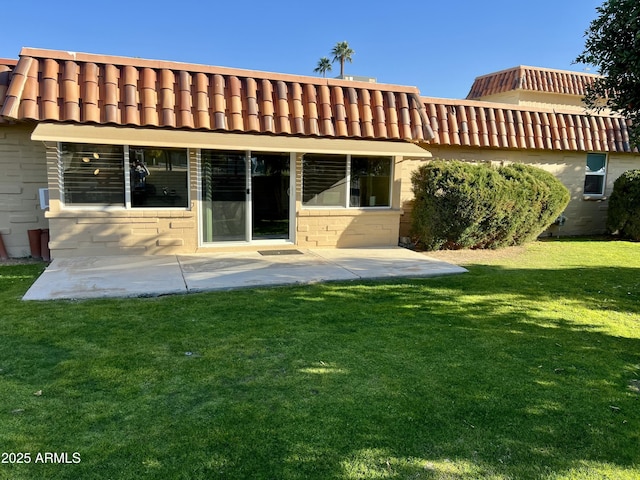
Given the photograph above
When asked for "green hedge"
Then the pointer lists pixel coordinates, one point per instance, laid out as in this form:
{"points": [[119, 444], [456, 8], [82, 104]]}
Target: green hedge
{"points": [[463, 205], [623, 213]]}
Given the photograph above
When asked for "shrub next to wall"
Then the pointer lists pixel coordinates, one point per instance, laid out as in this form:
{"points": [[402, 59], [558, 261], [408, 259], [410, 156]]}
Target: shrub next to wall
{"points": [[464, 205], [624, 205]]}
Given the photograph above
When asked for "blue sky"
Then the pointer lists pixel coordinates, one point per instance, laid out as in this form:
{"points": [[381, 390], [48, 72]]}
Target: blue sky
{"points": [[440, 46]]}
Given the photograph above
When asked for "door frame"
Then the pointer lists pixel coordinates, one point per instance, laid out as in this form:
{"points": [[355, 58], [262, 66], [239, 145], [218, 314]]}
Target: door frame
{"points": [[249, 205]]}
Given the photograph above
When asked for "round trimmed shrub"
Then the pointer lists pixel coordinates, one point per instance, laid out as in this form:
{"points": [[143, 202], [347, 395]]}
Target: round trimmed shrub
{"points": [[464, 205], [623, 213]]}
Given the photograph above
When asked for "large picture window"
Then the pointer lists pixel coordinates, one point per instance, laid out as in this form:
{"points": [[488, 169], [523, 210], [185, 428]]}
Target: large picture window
{"points": [[595, 174], [95, 175], [370, 182], [158, 177], [92, 174], [346, 181], [324, 180]]}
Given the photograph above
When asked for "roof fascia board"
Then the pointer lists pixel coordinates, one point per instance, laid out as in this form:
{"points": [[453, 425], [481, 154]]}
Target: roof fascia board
{"points": [[189, 139], [510, 106], [523, 68]]}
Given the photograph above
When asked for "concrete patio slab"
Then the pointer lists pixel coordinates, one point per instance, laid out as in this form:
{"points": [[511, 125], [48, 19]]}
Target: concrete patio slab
{"points": [[227, 270], [113, 276], [145, 276], [387, 262]]}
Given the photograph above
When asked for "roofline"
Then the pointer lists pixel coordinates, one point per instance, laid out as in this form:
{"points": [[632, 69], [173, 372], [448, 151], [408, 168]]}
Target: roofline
{"points": [[540, 69], [8, 61], [200, 68]]}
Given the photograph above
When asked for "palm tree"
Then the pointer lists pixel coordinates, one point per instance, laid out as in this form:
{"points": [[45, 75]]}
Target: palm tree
{"points": [[342, 52], [324, 66]]}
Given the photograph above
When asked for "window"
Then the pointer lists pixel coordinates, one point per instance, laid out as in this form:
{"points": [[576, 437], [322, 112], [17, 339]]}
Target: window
{"points": [[324, 180], [329, 180], [94, 175], [158, 177], [596, 170], [370, 181]]}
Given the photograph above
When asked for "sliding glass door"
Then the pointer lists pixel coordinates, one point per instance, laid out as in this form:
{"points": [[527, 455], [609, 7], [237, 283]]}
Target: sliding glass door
{"points": [[270, 196], [245, 196], [224, 196]]}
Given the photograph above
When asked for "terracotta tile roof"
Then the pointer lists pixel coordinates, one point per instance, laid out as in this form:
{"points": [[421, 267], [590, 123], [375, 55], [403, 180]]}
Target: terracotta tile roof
{"points": [[492, 125], [57, 86], [6, 67], [532, 79]]}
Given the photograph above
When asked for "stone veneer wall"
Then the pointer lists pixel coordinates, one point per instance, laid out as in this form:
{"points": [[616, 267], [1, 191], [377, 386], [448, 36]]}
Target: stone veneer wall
{"points": [[584, 216], [23, 172]]}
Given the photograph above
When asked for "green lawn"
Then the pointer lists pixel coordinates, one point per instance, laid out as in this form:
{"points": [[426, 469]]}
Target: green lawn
{"points": [[523, 368]]}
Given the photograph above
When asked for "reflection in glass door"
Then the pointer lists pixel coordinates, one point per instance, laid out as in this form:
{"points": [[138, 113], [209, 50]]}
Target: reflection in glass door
{"points": [[224, 196], [270, 196]]}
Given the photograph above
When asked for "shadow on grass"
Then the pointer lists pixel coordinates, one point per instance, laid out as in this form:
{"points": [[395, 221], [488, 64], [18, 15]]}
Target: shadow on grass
{"points": [[499, 373], [506, 367]]}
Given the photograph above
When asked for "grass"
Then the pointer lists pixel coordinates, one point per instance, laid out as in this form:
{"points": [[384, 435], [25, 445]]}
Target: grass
{"points": [[524, 368]]}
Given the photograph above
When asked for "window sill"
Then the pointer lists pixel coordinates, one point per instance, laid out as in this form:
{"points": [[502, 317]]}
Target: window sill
{"points": [[594, 198], [117, 212], [338, 207], [346, 212], [117, 208]]}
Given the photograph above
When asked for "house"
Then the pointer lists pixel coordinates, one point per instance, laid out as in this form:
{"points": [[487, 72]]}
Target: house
{"points": [[534, 116], [154, 157]]}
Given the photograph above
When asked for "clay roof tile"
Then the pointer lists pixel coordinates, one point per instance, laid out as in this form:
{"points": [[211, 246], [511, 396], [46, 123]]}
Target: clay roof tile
{"points": [[62, 86], [120, 90], [508, 126], [531, 79]]}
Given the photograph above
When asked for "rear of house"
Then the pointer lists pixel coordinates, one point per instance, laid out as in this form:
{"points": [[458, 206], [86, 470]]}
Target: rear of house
{"points": [[152, 157], [149, 157]]}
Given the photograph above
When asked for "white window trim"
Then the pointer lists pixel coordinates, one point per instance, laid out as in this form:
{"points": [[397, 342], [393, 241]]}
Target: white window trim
{"points": [[347, 197], [127, 188], [127, 179], [597, 196], [348, 188], [223, 243]]}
